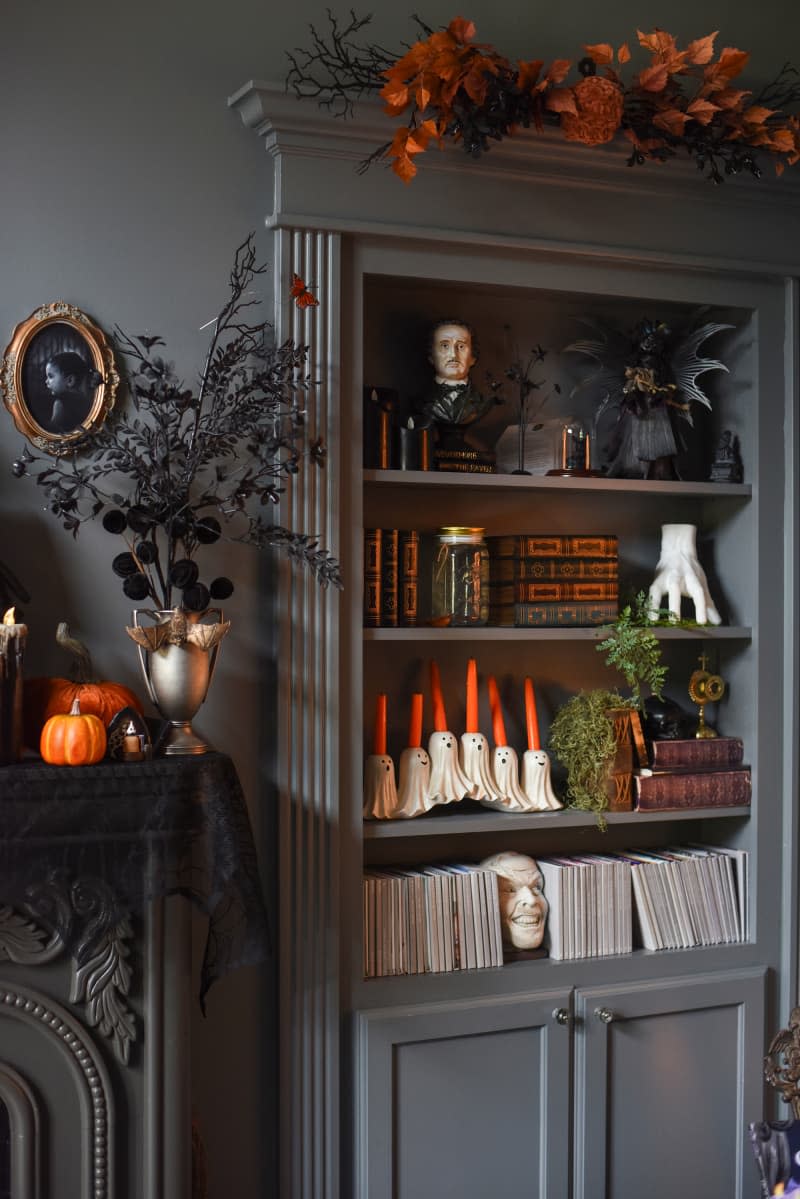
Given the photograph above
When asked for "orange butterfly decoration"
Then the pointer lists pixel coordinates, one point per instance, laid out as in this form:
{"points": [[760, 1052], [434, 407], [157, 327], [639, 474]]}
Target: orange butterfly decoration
{"points": [[301, 294]]}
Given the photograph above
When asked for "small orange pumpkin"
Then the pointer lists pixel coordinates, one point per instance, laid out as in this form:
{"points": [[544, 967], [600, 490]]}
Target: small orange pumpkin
{"points": [[46, 697], [73, 738]]}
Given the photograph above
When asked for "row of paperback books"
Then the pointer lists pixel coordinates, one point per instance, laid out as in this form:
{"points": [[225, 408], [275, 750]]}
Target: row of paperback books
{"points": [[553, 580], [677, 898], [434, 919], [445, 918], [391, 577], [691, 895]]}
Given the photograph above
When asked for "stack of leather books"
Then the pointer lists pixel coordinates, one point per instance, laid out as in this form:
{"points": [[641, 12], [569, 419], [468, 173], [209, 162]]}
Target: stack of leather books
{"points": [[699, 772]]}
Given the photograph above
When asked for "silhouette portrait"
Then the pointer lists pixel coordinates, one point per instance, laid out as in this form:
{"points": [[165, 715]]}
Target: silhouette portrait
{"points": [[59, 379]]}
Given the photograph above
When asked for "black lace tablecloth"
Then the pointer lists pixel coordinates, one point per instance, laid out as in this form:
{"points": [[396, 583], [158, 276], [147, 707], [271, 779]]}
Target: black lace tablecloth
{"points": [[88, 844]]}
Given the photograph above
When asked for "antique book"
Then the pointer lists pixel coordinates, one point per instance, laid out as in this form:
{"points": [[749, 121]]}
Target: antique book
{"points": [[390, 555], [554, 545], [409, 577], [575, 615], [697, 753], [696, 789], [372, 577], [530, 592], [564, 569]]}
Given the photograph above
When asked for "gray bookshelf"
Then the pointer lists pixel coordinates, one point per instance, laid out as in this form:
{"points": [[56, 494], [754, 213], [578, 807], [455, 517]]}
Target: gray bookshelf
{"points": [[611, 1070]]}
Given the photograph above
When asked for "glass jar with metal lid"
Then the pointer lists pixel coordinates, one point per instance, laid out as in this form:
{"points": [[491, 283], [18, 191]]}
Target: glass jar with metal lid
{"points": [[460, 577]]}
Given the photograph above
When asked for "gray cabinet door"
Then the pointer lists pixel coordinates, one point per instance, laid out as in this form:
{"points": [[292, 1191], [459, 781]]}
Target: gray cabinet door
{"points": [[467, 1099], [668, 1074]]}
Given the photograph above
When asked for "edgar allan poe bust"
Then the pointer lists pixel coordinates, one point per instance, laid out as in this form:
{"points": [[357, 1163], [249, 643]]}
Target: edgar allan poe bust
{"points": [[452, 352]]}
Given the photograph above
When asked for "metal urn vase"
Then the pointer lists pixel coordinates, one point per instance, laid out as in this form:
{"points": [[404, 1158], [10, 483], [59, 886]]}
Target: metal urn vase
{"points": [[178, 654]]}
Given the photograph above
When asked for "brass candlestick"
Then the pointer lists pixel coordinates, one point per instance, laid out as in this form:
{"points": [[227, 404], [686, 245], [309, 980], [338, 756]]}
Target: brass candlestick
{"points": [[705, 688]]}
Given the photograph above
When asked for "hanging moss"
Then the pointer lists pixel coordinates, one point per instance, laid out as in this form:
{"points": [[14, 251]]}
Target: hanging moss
{"points": [[582, 738]]}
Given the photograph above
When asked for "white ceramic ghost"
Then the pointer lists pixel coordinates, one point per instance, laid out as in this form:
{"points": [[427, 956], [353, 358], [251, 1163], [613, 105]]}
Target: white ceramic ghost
{"points": [[448, 783], [505, 766], [412, 787], [476, 763], [536, 781], [380, 788]]}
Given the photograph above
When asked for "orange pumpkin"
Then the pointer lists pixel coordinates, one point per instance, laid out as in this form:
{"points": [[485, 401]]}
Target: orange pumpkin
{"points": [[73, 739], [46, 697]]}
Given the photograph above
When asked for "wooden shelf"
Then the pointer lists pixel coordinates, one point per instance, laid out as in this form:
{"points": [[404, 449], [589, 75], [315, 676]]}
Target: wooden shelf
{"points": [[451, 822], [476, 482], [494, 633]]}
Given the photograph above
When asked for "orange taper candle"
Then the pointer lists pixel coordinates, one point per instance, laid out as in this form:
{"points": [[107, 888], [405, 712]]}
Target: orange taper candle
{"points": [[439, 714], [531, 717], [472, 696], [498, 725], [415, 721], [379, 738]]}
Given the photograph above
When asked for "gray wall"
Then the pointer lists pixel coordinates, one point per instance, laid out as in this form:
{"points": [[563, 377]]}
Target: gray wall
{"points": [[126, 186]]}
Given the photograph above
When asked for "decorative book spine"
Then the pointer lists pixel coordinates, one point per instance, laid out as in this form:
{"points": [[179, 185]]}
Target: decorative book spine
{"points": [[697, 753], [549, 545], [409, 577], [563, 570], [372, 577], [577, 615], [709, 789], [390, 551], [528, 592]]}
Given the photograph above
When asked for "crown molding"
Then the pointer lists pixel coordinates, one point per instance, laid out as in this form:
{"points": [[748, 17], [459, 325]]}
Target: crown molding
{"points": [[535, 189]]}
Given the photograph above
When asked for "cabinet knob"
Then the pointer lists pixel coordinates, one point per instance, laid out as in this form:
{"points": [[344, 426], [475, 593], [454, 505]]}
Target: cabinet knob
{"points": [[604, 1014], [561, 1015]]}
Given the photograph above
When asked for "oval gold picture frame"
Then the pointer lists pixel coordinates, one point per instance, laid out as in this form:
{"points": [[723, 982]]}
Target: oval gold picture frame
{"points": [[58, 377]]}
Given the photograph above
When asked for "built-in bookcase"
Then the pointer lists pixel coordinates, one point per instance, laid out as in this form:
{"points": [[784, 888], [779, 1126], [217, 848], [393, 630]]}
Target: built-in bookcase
{"points": [[612, 1070], [397, 312]]}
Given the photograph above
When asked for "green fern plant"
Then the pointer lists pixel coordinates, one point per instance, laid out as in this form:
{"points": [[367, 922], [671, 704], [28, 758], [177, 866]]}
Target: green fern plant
{"points": [[581, 735], [632, 648]]}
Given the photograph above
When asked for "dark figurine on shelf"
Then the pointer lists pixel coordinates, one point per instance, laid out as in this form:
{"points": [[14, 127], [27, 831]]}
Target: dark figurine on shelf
{"points": [[650, 376], [664, 720], [727, 464], [455, 402]]}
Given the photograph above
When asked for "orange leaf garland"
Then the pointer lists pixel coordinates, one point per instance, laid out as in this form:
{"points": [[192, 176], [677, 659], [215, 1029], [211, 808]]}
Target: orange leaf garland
{"points": [[448, 85]]}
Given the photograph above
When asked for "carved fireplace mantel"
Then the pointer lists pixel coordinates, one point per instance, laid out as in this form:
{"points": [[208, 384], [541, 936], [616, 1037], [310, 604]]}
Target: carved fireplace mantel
{"points": [[96, 864]]}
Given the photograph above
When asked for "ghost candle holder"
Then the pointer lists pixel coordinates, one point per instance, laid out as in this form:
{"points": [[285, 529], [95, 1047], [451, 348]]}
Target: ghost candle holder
{"points": [[448, 783], [380, 788], [415, 767], [505, 764], [535, 761], [476, 754]]}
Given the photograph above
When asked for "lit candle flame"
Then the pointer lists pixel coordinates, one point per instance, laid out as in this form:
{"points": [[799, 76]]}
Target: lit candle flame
{"points": [[9, 616]]}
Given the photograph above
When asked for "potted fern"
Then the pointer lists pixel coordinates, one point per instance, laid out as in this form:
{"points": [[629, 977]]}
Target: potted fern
{"points": [[591, 734]]}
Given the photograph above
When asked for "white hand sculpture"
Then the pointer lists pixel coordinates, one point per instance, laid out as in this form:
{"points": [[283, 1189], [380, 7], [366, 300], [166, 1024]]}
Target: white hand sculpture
{"points": [[679, 573]]}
